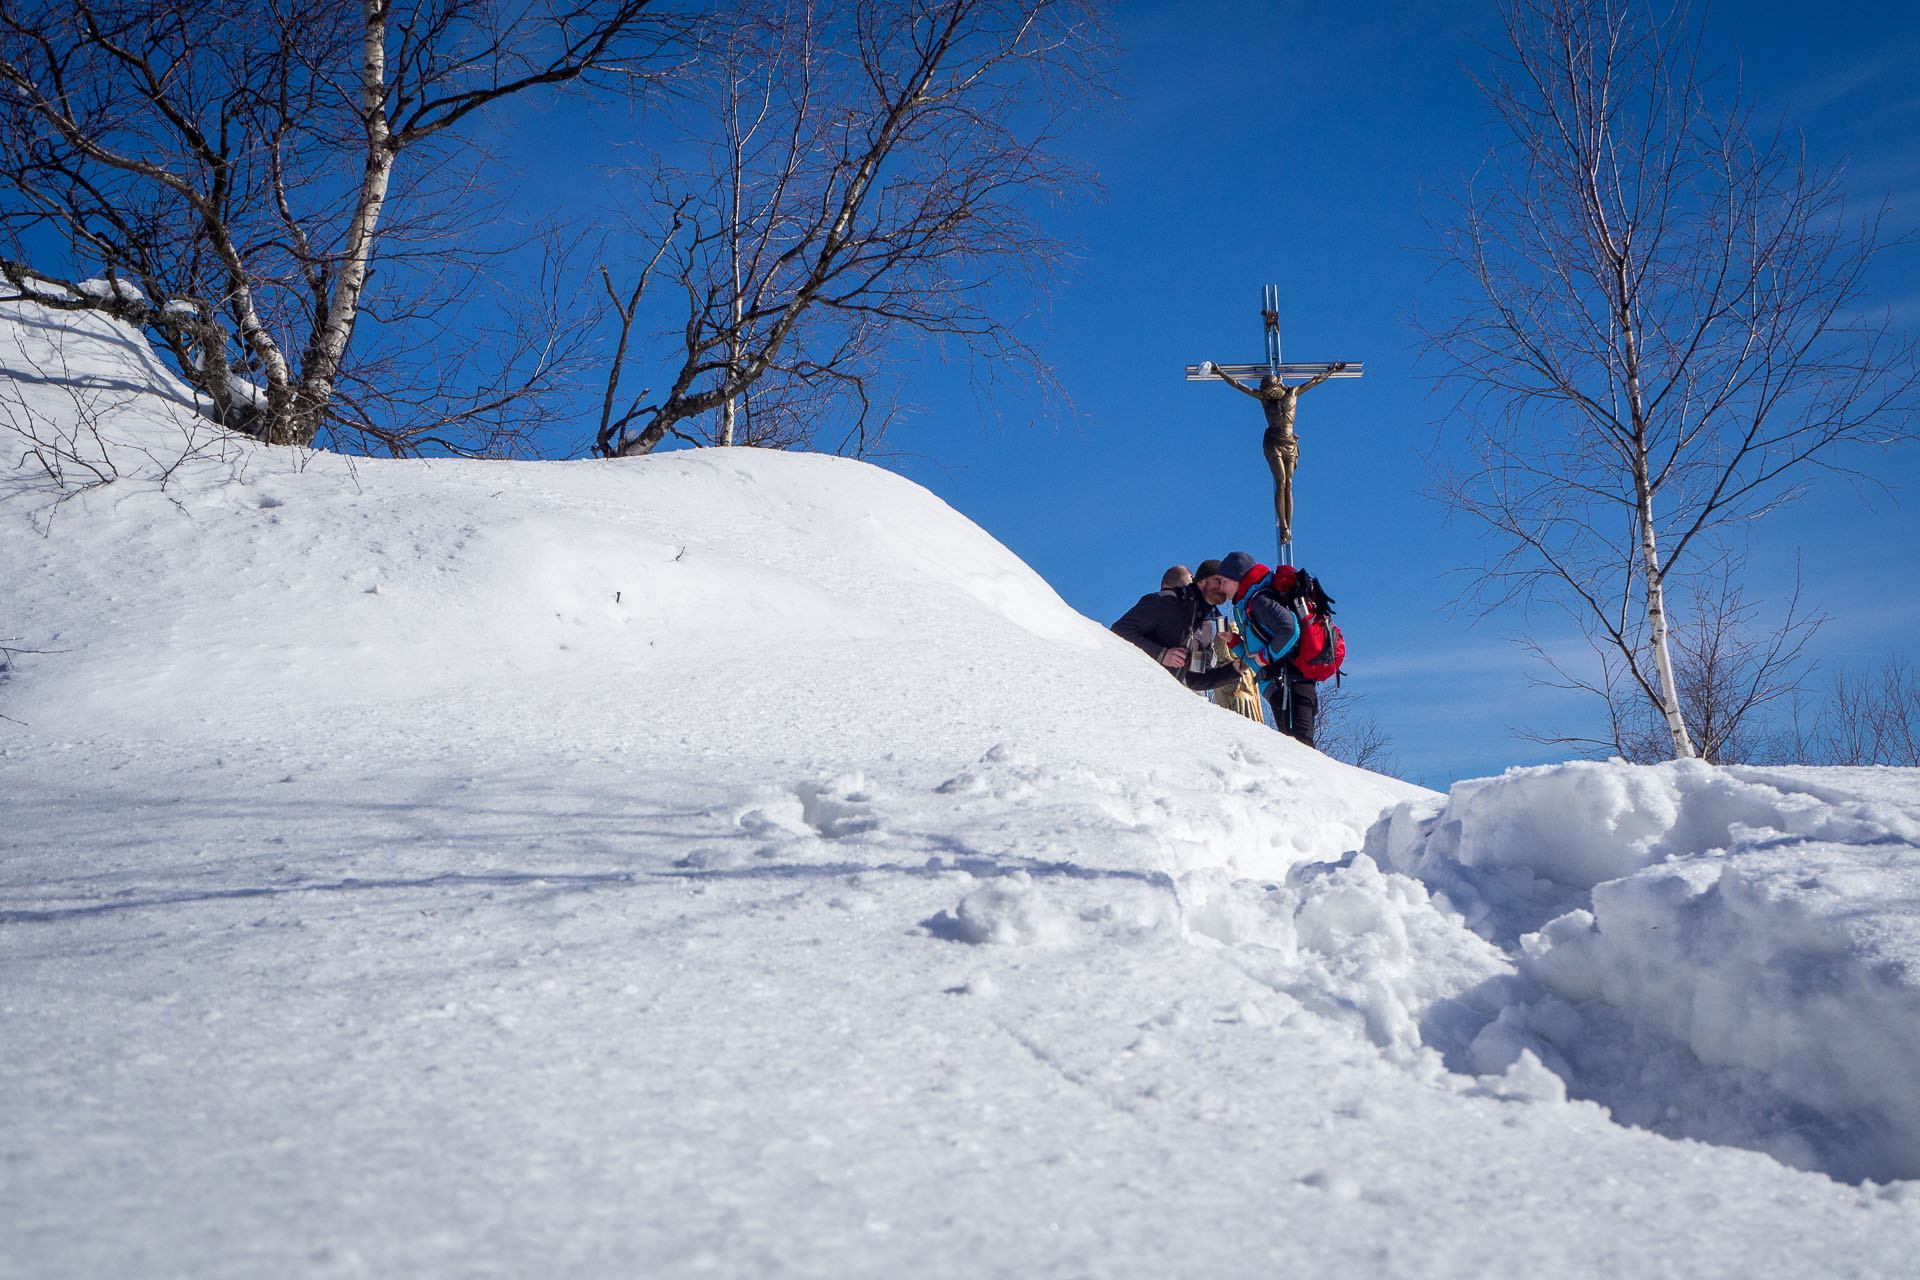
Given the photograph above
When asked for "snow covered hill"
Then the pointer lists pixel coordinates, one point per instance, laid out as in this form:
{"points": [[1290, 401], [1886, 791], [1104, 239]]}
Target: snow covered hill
{"points": [[738, 863]]}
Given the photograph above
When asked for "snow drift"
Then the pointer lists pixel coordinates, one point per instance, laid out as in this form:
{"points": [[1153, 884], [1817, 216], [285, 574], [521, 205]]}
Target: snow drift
{"points": [[1724, 953], [739, 862]]}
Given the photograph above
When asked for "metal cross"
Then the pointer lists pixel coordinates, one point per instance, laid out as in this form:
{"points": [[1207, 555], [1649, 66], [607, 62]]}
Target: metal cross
{"points": [[1277, 400]]}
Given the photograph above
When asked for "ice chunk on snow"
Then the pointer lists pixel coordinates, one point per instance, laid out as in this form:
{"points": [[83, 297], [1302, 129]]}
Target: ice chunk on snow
{"points": [[47, 287], [99, 287], [1528, 1080], [1012, 911], [243, 392]]}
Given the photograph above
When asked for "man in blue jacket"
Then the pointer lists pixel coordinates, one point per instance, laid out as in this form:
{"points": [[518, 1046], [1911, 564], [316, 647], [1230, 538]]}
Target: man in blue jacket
{"points": [[1269, 633]]}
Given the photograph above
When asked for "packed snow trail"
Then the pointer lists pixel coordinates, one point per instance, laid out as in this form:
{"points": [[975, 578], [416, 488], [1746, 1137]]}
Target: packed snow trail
{"points": [[735, 862]]}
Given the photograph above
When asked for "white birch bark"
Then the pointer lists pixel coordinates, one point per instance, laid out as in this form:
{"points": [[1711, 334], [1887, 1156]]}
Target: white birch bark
{"points": [[1659, 629], [330, 345]]}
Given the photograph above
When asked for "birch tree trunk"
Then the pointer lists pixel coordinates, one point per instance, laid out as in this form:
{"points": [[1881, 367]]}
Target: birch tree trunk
{"points": [[329, 347], [1627, 323], [1658, 627], [736, 305]]}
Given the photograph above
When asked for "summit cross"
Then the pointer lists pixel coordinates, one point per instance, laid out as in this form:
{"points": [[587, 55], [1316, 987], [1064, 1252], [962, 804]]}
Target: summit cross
{"points": [[1279, 444]]}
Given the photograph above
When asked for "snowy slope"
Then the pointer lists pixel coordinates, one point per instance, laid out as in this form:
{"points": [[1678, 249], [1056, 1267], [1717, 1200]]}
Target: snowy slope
{"points": [[738, 863]]}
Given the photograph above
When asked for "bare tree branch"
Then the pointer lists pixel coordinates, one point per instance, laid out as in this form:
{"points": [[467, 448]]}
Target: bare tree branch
{"points": [[1869, 717], [865, 180], [256, 164]]}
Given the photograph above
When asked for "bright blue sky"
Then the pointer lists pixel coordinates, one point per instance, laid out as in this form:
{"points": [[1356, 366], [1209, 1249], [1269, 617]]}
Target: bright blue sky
{"points": [[1289, 143]]}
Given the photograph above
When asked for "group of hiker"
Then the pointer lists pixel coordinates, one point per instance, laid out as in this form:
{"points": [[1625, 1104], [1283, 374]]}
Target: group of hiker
{"points": [[1274, 640]]}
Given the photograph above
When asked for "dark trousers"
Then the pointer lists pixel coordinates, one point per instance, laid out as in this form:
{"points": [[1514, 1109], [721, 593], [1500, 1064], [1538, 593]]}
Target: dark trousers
{"points": [[1295, 707]]}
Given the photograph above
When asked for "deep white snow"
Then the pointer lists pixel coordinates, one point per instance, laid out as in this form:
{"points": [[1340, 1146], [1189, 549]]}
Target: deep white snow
{"points": [[738, 863]]}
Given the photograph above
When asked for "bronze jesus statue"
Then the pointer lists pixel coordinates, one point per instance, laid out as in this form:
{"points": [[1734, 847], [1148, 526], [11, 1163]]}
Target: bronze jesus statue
{"points": [[1279, 443]]}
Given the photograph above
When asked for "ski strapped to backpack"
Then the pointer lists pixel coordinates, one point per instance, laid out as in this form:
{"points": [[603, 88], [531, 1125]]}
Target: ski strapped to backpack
{"points": [[1317, 649]]}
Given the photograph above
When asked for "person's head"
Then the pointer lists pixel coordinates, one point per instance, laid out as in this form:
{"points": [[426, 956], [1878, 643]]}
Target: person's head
{"points": [[1232, 570], [1178, 576], [1214, 585]]}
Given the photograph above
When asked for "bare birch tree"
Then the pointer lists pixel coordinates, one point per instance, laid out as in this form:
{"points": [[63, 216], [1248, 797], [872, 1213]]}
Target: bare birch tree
{"points": [[1869, 717], [1739, 663], [1344, 731], [865, 179], [1663, 330], [237, 171]]}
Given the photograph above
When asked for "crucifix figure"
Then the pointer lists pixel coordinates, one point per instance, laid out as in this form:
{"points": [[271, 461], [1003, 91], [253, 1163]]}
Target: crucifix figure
{"points": [[1280, 443]]}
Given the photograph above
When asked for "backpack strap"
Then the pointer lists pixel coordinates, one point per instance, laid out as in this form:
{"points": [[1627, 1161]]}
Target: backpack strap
{"points": [[1270, 668], [1264, 637]]}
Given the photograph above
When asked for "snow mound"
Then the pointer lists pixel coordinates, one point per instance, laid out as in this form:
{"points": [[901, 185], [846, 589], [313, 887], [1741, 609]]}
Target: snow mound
{"points": [[1730, 954], [824, 611]]}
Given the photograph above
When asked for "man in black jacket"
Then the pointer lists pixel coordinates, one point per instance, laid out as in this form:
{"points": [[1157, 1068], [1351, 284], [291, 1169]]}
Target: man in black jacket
{"points": [[1167, 625]]}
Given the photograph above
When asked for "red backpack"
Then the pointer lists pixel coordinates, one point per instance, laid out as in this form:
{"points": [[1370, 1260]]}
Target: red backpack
{"points": [[1322, 648]]}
